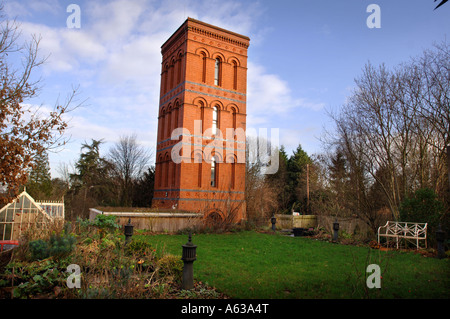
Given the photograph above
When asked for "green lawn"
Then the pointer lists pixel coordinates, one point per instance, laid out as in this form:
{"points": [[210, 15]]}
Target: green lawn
{"points": [[257, 265]]}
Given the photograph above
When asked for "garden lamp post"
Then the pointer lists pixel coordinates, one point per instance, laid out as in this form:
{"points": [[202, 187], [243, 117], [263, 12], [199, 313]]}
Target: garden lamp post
{"points": [[188, 257], [335, 230], [273, 220], [440, 238], [128, 231]]}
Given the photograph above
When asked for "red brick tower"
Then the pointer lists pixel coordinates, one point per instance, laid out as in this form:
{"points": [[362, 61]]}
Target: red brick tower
{"points": [[200, 159]]}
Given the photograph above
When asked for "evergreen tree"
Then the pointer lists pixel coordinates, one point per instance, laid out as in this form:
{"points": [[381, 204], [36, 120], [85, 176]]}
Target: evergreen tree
{"points": [[92, 184], [39, 184], [338, 179], [296, 168], [143, 189], [279, 181]]}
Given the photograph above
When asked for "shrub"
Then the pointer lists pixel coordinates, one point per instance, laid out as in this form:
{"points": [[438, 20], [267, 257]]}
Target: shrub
{"points": [[422, 207], [139, 247], [107, 244], [39, 249], [58, 245], [171, 265], [106, 222], [35, 279], [61, 244]]}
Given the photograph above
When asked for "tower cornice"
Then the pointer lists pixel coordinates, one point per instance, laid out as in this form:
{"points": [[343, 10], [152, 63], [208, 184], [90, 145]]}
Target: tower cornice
{"points": [[206, 30]]}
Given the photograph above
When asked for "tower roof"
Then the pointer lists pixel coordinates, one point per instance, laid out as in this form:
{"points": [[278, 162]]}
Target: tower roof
{"points": [[208, 30]]}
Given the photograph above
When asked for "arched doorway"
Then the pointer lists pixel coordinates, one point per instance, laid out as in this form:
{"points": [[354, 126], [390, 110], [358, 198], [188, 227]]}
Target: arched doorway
{"points": [[214, 219]]}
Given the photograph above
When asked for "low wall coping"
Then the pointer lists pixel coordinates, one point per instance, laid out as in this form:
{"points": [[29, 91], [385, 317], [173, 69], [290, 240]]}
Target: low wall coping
{"points": [[148, 214]]}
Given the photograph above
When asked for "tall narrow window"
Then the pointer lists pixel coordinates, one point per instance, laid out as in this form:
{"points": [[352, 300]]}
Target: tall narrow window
{"points": [[217, 72], [179, 69], [166, 77], [174, 173], [175, 120], [198, 160], [204, 67], [166, 171], [233, 110], [160, 177], [213, 172], [200, 172], [163, 120], [172, 74], [214, 120], [169, 120], [202, 116], [235, 69], [233, 173]]}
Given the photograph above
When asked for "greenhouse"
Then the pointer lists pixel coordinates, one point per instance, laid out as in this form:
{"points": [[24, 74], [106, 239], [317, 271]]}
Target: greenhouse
{"points": [[24, 213]]}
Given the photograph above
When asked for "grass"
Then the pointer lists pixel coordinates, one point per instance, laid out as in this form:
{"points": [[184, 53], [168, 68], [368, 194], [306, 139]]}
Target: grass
{"points": [[273, 266]]}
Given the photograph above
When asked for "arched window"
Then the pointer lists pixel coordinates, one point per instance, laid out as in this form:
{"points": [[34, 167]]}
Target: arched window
{"points": [[175, 117], [233, 111], [179, 68], [202, 116], [215, 118], [172, 74], [174, 173], [166, 171], [166, 77], [235, 70], [217, 70], [162, 119], [233, 173], [203, 67], [214, 170], [160, 171], [198, 158], [169, 120]]}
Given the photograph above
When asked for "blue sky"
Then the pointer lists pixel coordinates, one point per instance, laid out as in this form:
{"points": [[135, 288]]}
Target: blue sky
{"points": [[303, 59]]}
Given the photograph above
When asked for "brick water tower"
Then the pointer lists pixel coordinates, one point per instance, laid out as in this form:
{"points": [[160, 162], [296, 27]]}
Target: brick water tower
{"points": [[200, 155]]}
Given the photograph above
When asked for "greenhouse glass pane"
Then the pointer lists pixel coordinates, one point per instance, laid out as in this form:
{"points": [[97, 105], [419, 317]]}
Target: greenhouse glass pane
{"points": [[10, 214], [26, 202]]}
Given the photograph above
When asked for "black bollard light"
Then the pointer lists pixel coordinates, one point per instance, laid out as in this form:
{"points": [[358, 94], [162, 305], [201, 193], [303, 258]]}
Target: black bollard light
{"points": [[440, 238], [336, 230], [274, 221], [128, 231], [188, 257]]}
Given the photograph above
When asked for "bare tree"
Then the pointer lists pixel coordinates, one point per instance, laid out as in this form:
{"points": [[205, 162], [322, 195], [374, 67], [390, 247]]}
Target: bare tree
{"points": [[260, 192], [24, 131], [130, 160], [394, 129]]}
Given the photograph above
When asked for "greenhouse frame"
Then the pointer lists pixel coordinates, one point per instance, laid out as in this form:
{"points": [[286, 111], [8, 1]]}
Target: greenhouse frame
{"points": [[22, 214]]}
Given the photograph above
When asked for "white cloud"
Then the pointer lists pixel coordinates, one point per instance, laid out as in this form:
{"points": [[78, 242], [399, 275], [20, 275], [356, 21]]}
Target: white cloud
{"points": [[28, 7], [270, 96], [231, 15], [267, 93], [112, 22], [134, 62], [116, 57]]}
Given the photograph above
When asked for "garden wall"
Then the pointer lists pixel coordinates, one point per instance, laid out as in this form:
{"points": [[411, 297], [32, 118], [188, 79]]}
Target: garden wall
{"points": [[291, 221], [350, 225], [156, 222]]}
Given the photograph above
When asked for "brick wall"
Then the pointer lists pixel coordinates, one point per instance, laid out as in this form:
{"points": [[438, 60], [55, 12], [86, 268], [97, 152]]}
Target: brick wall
{"points": [[189, 93]]}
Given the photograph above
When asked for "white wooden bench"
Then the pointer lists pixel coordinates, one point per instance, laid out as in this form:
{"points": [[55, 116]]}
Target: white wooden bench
{"points": [[412, 232]]}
